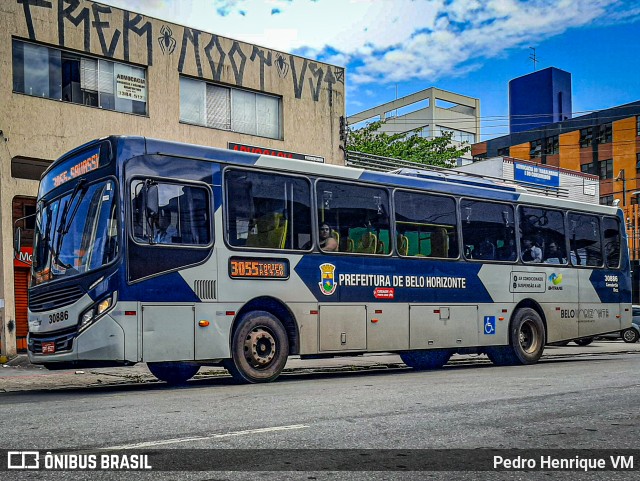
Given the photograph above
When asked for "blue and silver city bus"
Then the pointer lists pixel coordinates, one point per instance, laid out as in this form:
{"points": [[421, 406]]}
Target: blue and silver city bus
{"points": [[181, 256]]}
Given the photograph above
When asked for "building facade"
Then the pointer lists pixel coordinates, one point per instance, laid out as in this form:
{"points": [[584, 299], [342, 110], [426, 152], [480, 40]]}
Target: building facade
{"points": [[73, 71], [432, 110], [539, 179], [605, 143], [539, 98]]}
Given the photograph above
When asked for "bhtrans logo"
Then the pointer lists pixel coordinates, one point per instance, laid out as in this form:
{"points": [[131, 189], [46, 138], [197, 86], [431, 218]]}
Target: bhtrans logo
{"points": [[556, 281], [33, 460]]}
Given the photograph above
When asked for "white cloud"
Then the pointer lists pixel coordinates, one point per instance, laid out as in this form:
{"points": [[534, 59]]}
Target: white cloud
{"points": [[389, 40]]}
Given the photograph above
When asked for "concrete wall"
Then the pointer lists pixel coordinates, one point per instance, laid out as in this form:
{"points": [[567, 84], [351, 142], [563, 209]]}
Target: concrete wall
{"points": [[312, 95]]}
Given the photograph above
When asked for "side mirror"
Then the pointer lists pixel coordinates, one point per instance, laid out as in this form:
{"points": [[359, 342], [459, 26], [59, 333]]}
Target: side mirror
{"points": [[17, 241], [152, 200], [151, 208]]}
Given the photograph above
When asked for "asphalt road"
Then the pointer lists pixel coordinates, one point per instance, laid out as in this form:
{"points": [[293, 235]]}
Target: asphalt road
{"points": [[588, 402]]}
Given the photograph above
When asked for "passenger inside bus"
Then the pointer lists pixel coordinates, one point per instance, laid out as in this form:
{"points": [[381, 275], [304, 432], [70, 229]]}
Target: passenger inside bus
{"points": [[508, 250], [166, 231], [327, 242], [485, 250], [530, 251], [554, 255]]}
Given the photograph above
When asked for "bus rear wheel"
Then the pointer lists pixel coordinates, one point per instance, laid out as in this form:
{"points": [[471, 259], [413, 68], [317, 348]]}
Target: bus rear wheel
{"points": [[425, 360], [526, 340], [629, 335], [173, 373], [584, 341], [259, 348]]}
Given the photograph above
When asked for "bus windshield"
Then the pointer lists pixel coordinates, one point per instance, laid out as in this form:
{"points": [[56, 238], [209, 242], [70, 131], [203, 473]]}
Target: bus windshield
{"points": [[75, 233]]}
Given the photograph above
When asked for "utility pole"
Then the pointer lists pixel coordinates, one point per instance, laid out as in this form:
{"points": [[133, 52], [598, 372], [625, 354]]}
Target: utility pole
{"points": [[622, 177]]}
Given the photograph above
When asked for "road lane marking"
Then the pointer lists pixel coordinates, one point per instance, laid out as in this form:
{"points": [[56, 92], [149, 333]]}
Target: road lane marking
{"points": [[162, 442]]}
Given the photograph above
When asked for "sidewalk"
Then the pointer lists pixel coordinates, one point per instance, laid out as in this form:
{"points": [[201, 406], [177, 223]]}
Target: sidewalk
{"points": [[19, 375]]}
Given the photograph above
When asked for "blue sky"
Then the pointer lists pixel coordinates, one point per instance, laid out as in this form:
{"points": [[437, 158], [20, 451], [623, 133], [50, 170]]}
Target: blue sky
{"points": [[470, 47]]}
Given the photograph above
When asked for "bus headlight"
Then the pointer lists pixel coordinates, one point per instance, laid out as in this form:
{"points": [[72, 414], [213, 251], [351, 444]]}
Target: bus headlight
{"points": [[95, 312]]}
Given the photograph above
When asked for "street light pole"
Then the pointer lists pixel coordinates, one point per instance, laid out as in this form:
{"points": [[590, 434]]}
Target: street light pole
{"points": [[623, 178]]}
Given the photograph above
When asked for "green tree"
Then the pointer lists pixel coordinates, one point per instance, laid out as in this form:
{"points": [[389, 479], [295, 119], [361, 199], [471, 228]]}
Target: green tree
{"points": [[407, 145]]}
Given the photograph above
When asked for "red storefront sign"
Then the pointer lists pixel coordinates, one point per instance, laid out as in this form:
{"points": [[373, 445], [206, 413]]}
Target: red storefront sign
{"points": [[23, 259]]}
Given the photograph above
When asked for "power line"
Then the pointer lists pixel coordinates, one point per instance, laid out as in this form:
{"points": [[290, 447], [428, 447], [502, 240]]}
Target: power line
{"points": [[518, 116]]}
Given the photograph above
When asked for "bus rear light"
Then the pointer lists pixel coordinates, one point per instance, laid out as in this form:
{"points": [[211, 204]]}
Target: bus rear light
{"points": [[436, 311], [618, 316], [203, 323], [231, 313], [315, 313], [378, 311], [501, 318], [504, 310], [374, 321], [130, 313]]}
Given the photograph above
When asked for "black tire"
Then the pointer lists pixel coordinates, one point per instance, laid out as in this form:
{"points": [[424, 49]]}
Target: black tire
{"points": [[425, 360], [584, 341], [173, 373], [259, 348], [526, 340], [629, 335]]}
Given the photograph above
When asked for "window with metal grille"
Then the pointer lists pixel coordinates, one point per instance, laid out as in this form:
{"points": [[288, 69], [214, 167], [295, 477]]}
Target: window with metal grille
{"points": [[227, 108]]}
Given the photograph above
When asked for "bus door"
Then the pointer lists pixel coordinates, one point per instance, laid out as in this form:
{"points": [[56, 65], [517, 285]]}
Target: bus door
{"points": [[168, 333], [599, 311], [595, 317]]}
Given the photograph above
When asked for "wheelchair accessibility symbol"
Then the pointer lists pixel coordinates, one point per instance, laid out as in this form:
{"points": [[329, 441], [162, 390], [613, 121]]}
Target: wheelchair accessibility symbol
{"points": [[489, 325]]}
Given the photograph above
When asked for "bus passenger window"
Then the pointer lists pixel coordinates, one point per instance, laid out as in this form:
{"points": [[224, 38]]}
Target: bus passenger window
{"points": [[542, 234], [267, 211], [611, 227], [426, 225], [488, 230], [584, 240], [357, 215], [183, 215]]}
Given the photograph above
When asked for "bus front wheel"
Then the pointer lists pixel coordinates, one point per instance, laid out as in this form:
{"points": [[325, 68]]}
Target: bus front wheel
{"points": [[259, 348], [173, 373], [526, 340], [424, 360]]}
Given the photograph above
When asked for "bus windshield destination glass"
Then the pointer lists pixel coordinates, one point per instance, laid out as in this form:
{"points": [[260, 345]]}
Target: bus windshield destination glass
{"points": [[179, 256]]}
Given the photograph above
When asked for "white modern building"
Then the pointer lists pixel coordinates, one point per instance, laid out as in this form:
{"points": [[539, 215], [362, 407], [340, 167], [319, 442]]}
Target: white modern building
{"points": [[432, 111]]}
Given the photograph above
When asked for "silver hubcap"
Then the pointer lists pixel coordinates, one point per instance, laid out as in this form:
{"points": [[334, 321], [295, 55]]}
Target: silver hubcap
{"points": [[529, 336], [259, 347]]}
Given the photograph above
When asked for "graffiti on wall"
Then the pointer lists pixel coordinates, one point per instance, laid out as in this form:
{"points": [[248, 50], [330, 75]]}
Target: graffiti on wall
{"points": [[308, 79]]}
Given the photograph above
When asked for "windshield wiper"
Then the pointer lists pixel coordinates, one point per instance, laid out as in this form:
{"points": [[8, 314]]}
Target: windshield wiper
{"points": [[64, 225]]}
